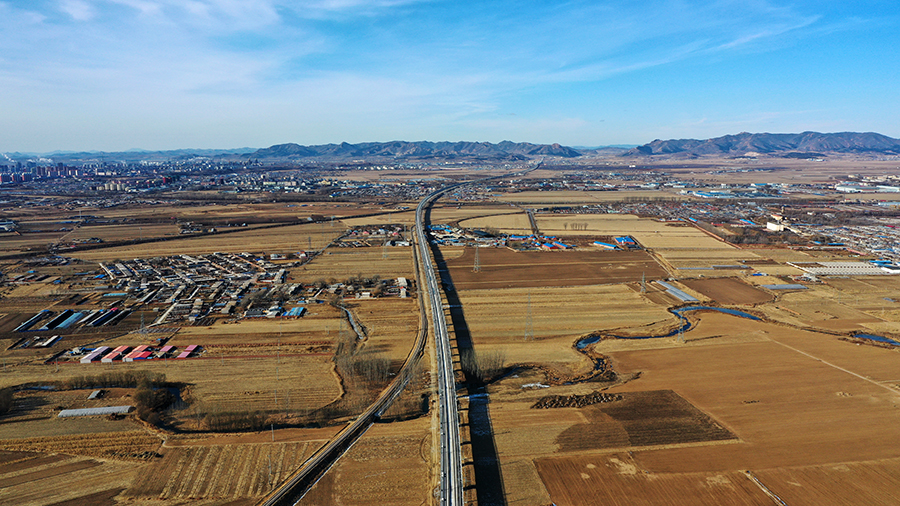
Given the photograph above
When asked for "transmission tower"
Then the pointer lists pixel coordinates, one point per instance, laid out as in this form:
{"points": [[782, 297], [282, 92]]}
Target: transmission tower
{"points": [[529, 324], [477, 266], [384, 251], [643, 282]]}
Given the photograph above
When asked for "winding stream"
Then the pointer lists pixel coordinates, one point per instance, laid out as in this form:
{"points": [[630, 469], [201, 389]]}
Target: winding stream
{"points": [[685, 324]]}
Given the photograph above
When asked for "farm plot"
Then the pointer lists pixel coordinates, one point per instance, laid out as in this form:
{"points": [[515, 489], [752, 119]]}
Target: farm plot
{"points": [[517, 223], [582, 197], [321, 323], [133, 444], [390, 464], [728, 291], [391, 325], [75, 480], [641, 419], [825, 307], [219, 472], [789, 397], [292, 384], [271, 240], [503, 268], [496, 317], [618, 479], [110, 233], [871, 483], [339, 264]]}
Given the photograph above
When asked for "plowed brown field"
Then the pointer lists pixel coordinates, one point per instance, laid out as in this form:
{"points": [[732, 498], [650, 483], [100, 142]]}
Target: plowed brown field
{"points": [[615, 479], [728, 291], [504, 268]]}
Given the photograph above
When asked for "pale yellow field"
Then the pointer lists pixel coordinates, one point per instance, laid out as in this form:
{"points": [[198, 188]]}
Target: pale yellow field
{"points": [[508, 223], [391, 464], [584, 197], [406, 218], [272, 240], [121, 232], [304, 382], [440, 213], [342, 263], [72, 479], [496, 318], [391, 325]]}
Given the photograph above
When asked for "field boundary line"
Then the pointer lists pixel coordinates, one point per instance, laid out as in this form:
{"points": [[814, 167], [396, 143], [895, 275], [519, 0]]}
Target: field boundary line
{"points": [[864, 378], [764, 488]]}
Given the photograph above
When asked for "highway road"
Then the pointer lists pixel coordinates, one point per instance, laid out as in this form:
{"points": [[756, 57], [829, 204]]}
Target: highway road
{"points": [[295, 487], [451, 481]]}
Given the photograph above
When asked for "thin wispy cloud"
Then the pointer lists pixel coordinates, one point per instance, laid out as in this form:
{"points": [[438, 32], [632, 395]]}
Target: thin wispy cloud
{"points": [[321, 70]]}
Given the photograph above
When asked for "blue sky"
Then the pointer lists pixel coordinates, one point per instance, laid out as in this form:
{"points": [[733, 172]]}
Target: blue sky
{"points": [[165, 74]]}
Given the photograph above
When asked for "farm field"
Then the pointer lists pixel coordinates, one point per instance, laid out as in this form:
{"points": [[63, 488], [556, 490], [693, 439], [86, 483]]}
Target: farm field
{"points": [[728, 291], [559, 317], [583, 197], [616, 479], [513, 223], [34, 479], [787, 396], [440, 213], [504, 268], [303, 383], [390, 464], [340, 264], [273, 240], [219, 472]]}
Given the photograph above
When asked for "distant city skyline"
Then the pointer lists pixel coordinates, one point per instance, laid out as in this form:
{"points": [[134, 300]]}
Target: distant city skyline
{"points": [[114, 75]]}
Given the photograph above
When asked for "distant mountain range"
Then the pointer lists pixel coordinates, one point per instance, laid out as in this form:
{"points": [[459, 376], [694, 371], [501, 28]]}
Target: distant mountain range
{"points": [[773, 144], [419, 150], [802, 145]]}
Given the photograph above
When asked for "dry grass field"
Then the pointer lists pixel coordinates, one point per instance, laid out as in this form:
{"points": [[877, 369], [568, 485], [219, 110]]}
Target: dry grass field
{"points": [[271, 240], [835, 168], [615, 479], [583, 197], [340, 264], [124, 445], [441, 212], [34, 479], [303, 382], [218, 472], [789, 396], [513, 223], [504, 268], [391, 464]]}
